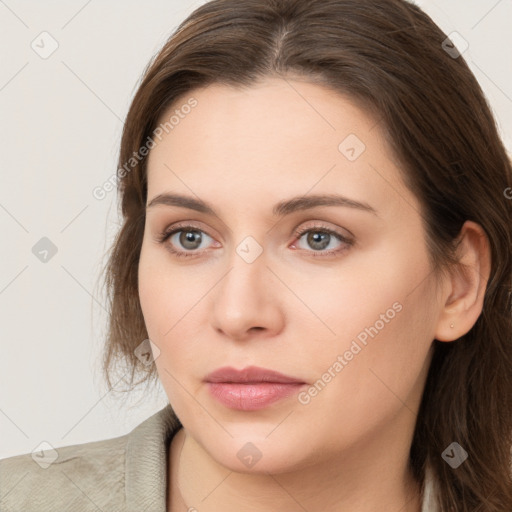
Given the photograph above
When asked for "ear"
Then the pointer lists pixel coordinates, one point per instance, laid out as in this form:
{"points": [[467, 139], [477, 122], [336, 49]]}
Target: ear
{"points": [[463, 295]]}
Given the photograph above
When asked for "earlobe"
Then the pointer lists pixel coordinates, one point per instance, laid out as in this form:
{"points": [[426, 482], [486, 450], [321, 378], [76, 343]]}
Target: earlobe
{"points": [[463, 301]]}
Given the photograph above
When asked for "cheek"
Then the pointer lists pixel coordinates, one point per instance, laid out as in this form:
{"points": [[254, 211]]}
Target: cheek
{"points": [[360, 388], [171, 305], [151, 294], [165, 294], [366, 289], [380, 312]]}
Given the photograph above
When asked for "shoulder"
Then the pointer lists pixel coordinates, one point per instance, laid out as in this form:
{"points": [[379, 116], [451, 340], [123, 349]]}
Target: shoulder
{"points": [[123, 473], [84, 477]]}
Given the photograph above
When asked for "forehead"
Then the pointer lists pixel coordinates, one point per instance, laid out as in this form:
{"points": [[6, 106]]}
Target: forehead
{"points": [[277, 138]]}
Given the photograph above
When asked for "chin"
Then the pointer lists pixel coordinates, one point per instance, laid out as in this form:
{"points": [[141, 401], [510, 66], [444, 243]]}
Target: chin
{"points": [[258, 455]]}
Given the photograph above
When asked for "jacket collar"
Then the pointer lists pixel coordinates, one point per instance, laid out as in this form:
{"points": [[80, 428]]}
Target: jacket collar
{"points": [[146, 462]]}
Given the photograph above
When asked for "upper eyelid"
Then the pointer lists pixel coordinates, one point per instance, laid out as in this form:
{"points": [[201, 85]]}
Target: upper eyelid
{"points": [[197, 225], [297, 233], [184, 227]]}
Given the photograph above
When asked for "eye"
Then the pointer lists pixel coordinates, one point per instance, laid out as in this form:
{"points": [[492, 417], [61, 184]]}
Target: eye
{"points": [[186, 237], [319, 238], [194, 241]]}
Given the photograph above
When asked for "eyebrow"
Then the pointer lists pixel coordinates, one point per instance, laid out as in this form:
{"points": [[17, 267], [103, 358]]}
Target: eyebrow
{"points": [[280, 209]]}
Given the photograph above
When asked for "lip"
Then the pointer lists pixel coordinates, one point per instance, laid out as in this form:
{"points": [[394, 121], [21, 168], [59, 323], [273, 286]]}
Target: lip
{"points": [[250, 374], [251, 388]]}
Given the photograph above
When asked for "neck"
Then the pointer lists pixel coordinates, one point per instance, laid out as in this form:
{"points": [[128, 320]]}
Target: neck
{"points": [[373, 475]]}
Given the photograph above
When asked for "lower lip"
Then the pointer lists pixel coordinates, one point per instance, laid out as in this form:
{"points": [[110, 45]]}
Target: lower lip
{"points": [[251, 397]]}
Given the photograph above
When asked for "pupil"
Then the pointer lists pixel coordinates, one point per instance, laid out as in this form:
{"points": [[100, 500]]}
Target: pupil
{"points": [[190, 237], [315, 238]]}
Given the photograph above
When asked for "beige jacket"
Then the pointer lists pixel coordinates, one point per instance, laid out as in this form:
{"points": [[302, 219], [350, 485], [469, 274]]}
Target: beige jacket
{"points": [[123, 474]]}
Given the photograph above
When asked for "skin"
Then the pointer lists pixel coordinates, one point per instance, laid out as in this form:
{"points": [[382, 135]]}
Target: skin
{"points": [[243, 151]]}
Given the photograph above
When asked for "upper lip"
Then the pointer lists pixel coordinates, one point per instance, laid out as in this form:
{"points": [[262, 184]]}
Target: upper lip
{"points": [[250, 374]]}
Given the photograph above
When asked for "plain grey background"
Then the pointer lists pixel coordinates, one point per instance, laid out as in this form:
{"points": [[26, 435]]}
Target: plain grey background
{"points": [[61, 120]]}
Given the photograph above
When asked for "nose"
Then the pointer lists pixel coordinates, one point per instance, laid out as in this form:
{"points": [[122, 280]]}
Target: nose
{"points": [[247, 300]]}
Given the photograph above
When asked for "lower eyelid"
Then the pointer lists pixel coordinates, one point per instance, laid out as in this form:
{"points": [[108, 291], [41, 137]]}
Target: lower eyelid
{"points": [[346, 242]]}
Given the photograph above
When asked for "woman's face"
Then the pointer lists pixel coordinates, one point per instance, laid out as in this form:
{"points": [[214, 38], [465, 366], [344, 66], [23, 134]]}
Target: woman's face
{"points": [[265, 281]]}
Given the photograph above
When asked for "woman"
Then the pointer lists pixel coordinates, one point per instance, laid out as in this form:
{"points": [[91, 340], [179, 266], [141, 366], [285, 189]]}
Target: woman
{"points": [[315, 261]]}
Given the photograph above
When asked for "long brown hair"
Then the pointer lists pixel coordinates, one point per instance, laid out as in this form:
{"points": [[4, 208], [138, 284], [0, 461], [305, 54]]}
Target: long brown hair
{"points": [[390, 57]]}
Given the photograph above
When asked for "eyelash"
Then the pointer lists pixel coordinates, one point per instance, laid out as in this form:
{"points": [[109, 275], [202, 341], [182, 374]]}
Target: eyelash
{"points": [[166, 234]]}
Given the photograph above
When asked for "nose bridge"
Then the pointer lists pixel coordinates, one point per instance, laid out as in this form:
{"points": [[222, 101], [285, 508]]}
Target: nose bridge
{"points": [[248, 271], [244, 299]]}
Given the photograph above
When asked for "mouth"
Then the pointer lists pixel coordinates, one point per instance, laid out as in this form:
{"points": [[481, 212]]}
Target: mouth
{"points": [[250, 375], [251, 388]]}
